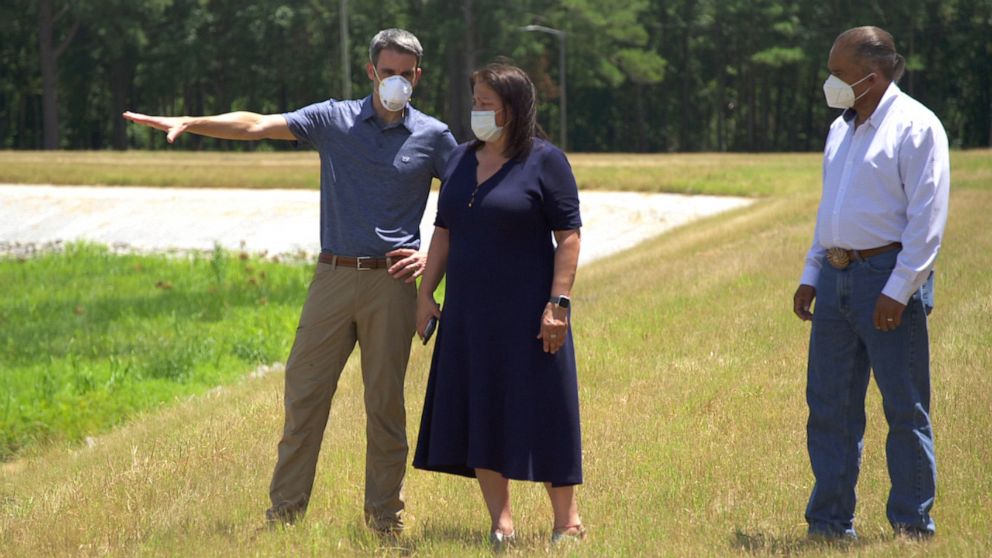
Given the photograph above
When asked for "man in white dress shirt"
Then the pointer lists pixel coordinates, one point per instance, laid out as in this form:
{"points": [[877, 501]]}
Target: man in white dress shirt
{"points": [[886, 177]]}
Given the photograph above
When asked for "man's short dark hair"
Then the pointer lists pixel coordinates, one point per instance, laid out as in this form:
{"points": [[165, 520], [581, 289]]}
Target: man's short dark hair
{"points": [[399, 40], [876, 49]]}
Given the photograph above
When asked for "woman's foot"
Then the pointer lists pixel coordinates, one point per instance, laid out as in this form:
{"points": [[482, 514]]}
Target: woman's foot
{"points": [[501, 538], [568, 534]]}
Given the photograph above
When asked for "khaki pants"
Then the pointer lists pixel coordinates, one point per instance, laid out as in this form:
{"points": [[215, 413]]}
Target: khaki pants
{"points": [[345, 305]]}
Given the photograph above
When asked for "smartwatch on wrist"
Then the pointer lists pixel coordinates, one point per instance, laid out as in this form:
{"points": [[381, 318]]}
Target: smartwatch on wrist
{"points": [[561, 301]]}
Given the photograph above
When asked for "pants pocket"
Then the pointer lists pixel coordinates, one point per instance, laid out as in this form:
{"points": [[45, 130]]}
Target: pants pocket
{"points": [[926, 294]]}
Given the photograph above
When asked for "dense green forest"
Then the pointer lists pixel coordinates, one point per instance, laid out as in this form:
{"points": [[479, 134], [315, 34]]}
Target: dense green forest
{"points": [[642, 75]]}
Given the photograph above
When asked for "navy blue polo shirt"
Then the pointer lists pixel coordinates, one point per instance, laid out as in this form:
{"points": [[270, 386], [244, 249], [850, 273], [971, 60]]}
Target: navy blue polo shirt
{"points": [[374, 178]]}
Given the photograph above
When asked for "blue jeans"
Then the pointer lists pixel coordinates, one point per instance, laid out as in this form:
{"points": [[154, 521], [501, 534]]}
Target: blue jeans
{"points": [[844, 345]]}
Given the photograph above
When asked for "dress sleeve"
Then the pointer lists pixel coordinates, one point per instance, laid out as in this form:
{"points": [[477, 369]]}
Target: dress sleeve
{"points": [[438, 220], [310, 123], [560, 192], [455, 155]]}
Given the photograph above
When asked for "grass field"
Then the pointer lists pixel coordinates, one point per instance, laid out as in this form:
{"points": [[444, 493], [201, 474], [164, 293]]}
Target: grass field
{"points": [[92, 337], [692, 371], [739, 174]]}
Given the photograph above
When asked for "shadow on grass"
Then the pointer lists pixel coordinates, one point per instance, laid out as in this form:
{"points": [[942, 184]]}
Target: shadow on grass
{"points": [[366, 541], [426, 540], [97, 315], [434, 532], [756, 542]]}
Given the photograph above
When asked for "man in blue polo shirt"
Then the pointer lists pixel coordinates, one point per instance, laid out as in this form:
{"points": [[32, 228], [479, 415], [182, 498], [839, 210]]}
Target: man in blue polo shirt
{"points": [[378, 156]]}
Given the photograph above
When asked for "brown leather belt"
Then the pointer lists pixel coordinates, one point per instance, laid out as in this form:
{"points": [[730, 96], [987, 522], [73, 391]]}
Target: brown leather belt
{"points": [[840, 258], [360, 263]]}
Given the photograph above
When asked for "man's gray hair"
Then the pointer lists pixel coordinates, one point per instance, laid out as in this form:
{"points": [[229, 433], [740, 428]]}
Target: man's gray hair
{"points": [[395, 39], [877, 49]]}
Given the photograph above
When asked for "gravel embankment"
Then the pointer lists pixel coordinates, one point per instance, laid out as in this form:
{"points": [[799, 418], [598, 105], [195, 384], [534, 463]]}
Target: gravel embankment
{"points": [[277, 222]]}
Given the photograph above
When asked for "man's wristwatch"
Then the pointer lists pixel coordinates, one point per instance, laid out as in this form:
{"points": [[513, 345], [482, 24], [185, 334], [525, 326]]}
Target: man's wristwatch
{"points": [[561, 301]]}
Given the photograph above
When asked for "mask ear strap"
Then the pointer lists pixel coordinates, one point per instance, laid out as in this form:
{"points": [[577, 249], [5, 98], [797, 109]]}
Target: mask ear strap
{"points": [[862, 79], [865, 92], [374, 71]]}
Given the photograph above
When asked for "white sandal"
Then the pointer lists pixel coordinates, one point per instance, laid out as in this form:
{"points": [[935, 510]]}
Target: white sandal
{"points": [[500, 540], [569, 533]]}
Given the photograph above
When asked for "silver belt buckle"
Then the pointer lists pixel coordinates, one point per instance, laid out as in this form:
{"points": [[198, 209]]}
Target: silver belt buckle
{"points": [[358, 263]]}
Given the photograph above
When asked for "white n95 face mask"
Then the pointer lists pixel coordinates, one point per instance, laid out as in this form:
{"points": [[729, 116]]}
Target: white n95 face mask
{"points": [[841, 95], [484, 125], [394, 91]]}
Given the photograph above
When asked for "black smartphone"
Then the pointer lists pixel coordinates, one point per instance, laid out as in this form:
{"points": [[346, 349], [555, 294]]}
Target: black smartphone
{"points": [[429, 330]]}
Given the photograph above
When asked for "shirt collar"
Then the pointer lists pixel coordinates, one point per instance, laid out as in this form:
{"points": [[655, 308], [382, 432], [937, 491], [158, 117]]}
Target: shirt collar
{"points": [[368, 112], [888, 99], [884, 104]]}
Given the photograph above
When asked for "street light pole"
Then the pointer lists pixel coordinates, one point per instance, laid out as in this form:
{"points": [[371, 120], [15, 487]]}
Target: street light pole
{"points": [[563, 107], [564, 98], [345, 55]]}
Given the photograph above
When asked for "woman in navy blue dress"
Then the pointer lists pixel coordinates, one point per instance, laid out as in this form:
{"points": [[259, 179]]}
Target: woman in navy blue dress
{"points": [[502, 396]]}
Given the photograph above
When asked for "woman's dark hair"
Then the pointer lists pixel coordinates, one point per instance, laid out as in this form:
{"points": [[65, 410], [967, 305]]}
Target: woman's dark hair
{"points": [[516, 91]]}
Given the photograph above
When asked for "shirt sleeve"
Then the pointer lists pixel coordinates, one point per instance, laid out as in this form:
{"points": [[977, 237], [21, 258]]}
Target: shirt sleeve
{"points": [[446, 144], [924, 163], [814, 260], [561, 193], [310, 123], [814, 257]]}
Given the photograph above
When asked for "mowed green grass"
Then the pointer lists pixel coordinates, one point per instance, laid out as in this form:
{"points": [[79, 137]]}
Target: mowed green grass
{"points": [[729, 174], [89, 337], [185, 169], [738, 174], [692, 371]]}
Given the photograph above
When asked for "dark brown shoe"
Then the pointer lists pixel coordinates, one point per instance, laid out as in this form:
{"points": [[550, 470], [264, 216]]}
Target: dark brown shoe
{"points": [[386, 529], [278, 516]]}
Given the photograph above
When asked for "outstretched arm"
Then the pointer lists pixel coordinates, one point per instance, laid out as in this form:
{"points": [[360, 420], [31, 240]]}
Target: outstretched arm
{"points": [[232, 126]]}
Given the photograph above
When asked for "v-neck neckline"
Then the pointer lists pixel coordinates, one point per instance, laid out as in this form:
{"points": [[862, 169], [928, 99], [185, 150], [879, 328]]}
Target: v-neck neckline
{"points": [[475, 155]]}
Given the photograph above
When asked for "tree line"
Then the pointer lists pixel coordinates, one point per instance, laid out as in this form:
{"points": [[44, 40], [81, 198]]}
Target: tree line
{"points": [[642, 75]]}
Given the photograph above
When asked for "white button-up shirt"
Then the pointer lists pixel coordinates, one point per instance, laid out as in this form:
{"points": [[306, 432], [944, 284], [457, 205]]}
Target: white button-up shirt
{"points": [[885, 181]]}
